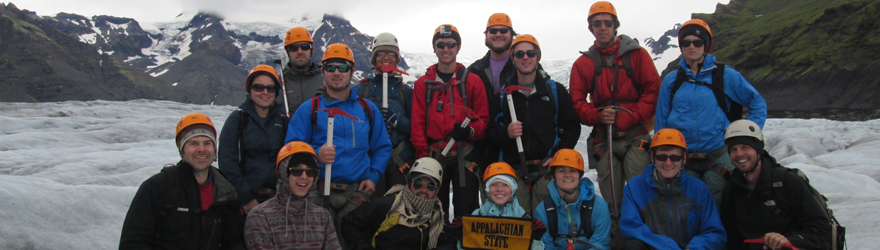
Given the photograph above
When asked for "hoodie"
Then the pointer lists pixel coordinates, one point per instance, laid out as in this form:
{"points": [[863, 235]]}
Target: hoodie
{"points": [[570, 213]]}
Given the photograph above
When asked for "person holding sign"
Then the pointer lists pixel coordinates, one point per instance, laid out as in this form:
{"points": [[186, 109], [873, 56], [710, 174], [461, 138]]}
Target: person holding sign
{"points": [[573, 213], [667, 208], [407, 217], [500, 182]]}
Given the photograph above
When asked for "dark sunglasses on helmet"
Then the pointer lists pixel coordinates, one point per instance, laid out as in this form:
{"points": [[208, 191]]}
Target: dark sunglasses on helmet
{"points": [[298, 172], [259, 88], [442, 45], [419, 183], [342, 68], [520, 54], [598, 23], [494, 31], [687, 43], [673, 158], [305, 46], [383, 53]]}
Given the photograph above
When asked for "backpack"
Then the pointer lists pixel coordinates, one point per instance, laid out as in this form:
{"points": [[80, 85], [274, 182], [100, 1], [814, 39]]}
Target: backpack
{"points": [[586, 228], [838, 232], [316, 102], [733, 112], [365, 92], [554, 98], [243, 120], [627, 66], [429, 94]]}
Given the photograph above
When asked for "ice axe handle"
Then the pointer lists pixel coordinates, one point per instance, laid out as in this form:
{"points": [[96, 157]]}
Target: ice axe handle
{"points": [[467, 120], [329, 167]]}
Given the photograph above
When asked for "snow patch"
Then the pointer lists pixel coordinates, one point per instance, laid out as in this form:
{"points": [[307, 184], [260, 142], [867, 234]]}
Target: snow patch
{"points": [[174, 84], [90, 38], [162, 72]]}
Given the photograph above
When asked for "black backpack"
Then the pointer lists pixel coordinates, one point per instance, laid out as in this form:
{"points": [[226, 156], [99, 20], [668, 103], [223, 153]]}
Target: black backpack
{"points": [[586, 228], [838, 232], [734, 111]]}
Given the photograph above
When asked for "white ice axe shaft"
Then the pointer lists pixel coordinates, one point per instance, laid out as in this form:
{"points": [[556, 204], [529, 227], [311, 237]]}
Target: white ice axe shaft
{"points": [[329, 166], [283, 88], [467, 120], [385, 89], [519, 146]]}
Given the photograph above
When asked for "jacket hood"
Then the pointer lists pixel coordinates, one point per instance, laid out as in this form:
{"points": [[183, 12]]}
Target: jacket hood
{"points": [[285, 197], [290, 72], [672, 189], [587, 191], [627, 44], [708, 64]]}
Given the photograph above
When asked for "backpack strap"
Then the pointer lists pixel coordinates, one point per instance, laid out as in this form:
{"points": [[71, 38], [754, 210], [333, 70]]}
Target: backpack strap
{"points": [[316, 103], [628, 67], [462, 86], [243, 120], [554, 97], [552, 217], [586, 227], [733, 112], [369, 114]]}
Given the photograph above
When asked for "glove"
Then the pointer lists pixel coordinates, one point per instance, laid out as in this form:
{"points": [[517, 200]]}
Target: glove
{"points": [[460, 134], [538, 229], [390, 117], [455, 227]]}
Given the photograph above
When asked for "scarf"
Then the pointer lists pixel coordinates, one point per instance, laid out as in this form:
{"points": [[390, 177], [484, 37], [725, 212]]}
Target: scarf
{"points": [[610, 50], [414, 211]]}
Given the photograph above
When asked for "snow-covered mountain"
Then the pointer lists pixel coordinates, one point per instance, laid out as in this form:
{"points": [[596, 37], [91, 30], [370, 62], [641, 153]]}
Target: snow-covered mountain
{"points": [[70, 169]]}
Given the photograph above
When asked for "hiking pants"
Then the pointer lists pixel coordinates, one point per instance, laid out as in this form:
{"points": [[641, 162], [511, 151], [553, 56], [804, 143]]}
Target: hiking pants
{"points": [[340, 203], [464, 199], [711, 170], [629, 160]]}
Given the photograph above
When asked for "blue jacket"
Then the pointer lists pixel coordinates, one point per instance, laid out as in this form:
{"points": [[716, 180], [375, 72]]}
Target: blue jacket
{"points": [[695, 112], [261, 140], [681, 215], [359, 155], [400, 133], [568, 213]]}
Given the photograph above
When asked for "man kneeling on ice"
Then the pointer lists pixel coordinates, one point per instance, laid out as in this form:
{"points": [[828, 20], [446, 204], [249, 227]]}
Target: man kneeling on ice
{"points": [[407, 217], [189, 205]]}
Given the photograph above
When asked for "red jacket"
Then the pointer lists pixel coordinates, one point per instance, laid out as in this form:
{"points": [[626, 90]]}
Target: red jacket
{"points": [[643, 105], [441, 121]]}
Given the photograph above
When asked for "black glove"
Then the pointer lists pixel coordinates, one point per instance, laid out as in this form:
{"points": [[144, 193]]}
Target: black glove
{"points": [[390, 117], [538, 229], [460, 134]]}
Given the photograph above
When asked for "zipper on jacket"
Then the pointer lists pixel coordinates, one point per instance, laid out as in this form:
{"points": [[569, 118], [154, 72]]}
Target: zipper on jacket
{"points": [[671, 212], [213, 231]]}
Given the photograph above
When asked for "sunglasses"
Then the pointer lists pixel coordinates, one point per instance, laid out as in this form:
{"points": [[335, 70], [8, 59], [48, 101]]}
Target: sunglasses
{"points": [[494, 31], [442, 45], [298, 172], [419, 183], [293, 47], [342, 68], [383, 53], [687, 43], [520, 54], [598, 23], [259, 88], [673, 158]]}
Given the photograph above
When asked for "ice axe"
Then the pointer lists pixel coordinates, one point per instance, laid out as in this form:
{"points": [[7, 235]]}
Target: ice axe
{"points": [[519, 147], [331, 113], [614, 212], [469, 114], [283, 88], [385, 70]]}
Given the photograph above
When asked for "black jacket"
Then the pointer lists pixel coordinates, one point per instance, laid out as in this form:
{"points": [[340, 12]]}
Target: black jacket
{"points": [[301, 86], [485, 154], [749, 214], [360, 225], [536, 113], [165, 214], [261, 140]]}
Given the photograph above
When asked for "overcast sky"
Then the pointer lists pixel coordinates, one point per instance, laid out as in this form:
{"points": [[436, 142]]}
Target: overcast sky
{"points": [[559, 25]]}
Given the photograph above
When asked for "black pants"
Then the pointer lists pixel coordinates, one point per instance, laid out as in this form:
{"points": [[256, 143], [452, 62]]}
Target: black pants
{"points": [[392, 177], [464, 199]]}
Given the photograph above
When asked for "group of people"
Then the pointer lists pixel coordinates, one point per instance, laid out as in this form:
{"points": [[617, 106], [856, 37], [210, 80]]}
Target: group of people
{"points": [[311, 161]]}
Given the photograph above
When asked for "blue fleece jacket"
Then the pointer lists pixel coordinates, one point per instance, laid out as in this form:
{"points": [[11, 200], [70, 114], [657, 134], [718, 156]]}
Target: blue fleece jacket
{"points": [[675, 214], [570, 213], [359, 154]]}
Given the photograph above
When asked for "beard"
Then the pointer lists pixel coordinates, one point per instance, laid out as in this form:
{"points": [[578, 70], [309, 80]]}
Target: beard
{"points": [[499, 50]]}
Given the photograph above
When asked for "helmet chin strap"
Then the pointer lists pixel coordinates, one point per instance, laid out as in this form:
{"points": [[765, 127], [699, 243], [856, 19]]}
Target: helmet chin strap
{"points": [[754, 167]]}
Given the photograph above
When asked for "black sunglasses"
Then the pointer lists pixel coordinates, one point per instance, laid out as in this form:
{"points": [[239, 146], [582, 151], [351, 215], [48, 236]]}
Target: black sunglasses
{"points": [[293, 47], [299, 172], [494, 31], [442, 45], [259, 88], [520, 54], [342, 68], [419, 183], [383, 53], [673, 158], [687, 43], [598, 23]]}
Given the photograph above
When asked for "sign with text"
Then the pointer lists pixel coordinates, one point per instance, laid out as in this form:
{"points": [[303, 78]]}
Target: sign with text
{"points": [[490, 232]]}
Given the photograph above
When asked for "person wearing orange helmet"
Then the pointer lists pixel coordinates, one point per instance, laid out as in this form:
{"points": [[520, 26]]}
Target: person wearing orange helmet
{"points": [[665, 208], [361, 147], [188, 205], [302, 77], [701, 98], [251, 137], [290, 219], [437, 119], [615, 72], [546, 121], [573, 203]]}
